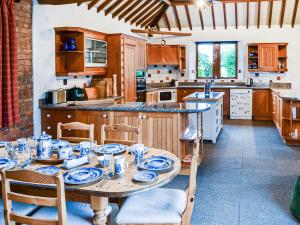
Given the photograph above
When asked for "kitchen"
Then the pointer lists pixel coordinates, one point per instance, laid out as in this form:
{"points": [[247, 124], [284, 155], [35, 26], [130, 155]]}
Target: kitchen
{"points": [[226, 73]]}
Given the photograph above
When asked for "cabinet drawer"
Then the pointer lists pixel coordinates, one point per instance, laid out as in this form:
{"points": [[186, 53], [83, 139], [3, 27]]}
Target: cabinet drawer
{"points": [[58, 116]]}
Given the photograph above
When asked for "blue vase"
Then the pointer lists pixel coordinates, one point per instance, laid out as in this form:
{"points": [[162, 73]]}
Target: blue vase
{"points": [[65, 46], [72, 44]]}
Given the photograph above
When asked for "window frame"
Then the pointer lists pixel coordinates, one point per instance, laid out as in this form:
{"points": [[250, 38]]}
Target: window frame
{"points": [[217, 61]]}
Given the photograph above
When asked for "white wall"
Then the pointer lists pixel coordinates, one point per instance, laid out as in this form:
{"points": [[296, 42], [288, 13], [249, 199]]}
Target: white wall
{"points": [[45, 18], [244, 36]]}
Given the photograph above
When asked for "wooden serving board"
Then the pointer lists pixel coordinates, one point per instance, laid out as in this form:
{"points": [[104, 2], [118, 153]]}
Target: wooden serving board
{"points": [[53, 160]]}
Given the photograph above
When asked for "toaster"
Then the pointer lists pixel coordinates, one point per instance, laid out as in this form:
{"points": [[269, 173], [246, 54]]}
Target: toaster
{"points": [[56, 96]]}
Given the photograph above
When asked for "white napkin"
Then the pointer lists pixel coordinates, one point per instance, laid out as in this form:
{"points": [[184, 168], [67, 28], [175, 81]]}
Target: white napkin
{"points": [[72, 163]]}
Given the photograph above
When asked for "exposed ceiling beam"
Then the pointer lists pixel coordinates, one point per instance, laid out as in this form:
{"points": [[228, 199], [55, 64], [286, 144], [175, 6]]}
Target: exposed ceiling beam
{"points": [[270, 14], [103, 5], [158, 16], [132, 7], [161, 32], [248, 14], [258, 14], [167, 22], [225, 16], [192, 2], [213, 16], [282, 12], [143, 12], [138, 10], [177, 17], [92, 4], [122, 7], [236, 15], [201, 19], [151, 12], [295, 12], [61, 2], [168, 2], [113, 6], [187, 13]]}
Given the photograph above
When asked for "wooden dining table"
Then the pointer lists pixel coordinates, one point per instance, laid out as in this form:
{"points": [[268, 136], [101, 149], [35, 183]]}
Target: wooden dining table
{"points": [[98, 194]]}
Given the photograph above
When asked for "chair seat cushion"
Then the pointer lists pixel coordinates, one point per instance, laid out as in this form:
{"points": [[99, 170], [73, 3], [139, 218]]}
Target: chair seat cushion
{"points": [[78, 213], [157, 206], [18, 208]]}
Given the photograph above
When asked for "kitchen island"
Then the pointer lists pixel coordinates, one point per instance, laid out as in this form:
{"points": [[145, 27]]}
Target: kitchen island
{"points": [[162, 125], [212, 119]]}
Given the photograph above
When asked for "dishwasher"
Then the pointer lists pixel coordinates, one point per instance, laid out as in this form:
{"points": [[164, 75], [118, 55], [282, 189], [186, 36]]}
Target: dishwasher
{"points": [[241, 104]]}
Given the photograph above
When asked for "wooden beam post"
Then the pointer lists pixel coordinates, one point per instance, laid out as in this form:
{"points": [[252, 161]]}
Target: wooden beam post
{"points": [[177, 17], [187, 12], [225, 16], [295, 12], [270, 14]]}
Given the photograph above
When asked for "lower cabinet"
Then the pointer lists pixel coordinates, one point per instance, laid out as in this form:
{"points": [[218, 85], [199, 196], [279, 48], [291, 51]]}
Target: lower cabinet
{"points": [[262, 105]]}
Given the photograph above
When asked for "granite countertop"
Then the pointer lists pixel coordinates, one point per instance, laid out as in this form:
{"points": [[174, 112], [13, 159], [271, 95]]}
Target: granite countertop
{"points": [[287, 94], [200, 96], [136, 107], [224, 86]]}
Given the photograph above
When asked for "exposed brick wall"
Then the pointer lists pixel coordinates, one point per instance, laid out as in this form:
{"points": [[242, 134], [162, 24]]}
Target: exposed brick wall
{"points": [[23, 11]]}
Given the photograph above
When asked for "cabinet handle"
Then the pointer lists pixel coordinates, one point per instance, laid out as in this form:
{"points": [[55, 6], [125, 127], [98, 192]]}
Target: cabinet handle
{"points": [[69, 116], [48, 115], [49, 128], [104, 116]]}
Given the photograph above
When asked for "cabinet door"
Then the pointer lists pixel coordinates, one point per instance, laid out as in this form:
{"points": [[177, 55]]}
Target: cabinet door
{"points": [[154, 56], [268, 55], [183, 92], [170, 55], [141, 53], [129, 71], [152, 97], [226, 103], [262, 104], [92, 117]]}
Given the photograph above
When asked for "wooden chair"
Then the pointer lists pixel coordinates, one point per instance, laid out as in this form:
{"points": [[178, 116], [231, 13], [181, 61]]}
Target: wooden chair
{"points": [[75, 126], [54, 211], [32, 177], [162, 205], [116, 131]]}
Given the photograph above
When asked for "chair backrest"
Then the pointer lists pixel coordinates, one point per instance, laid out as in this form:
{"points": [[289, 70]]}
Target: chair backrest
{"points": [[119, 130], [75, 126], [32, 177], [191, 190]]}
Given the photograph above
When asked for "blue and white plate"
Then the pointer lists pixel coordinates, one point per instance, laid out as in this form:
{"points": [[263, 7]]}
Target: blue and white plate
{"points": [[83, 176], [59, 143], [157, 163], [115, 149], [48, 170], [6, 163], [145, 176]]}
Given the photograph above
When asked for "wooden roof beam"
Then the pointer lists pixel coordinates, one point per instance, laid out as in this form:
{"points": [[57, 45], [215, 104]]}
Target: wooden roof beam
{"points": [[93, 3], [103, 5], [225, 16], [270, 14], [248, 14], [177, 17], [201, 19], [160, 32], [154, 19], [295, 12], [151, 12], [112, 7], [132, 7], [282, 12], [213, 16], [144, 11], [188, 16], [236, 15], [138, 10], [167, 22], [192, 2], [258, 14], [119, 10]]}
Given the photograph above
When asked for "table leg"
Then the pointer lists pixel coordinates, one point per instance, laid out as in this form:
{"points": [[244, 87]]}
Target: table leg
{"points": [[99, 205], [200, 134]]}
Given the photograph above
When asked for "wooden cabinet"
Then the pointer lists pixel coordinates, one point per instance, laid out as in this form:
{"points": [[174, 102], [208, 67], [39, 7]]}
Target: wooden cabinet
{"points": [[152, 96], [125, 55], [262, 105], [183, 92], [166, 55], [50, 119], [74, 62], [267, 57]]}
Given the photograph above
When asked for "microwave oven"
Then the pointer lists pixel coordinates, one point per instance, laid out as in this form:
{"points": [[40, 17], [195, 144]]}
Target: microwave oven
{"points": [[167, 96]]}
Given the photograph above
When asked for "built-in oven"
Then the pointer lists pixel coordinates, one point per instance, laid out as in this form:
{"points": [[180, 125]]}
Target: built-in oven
{"points": [[167, 95], [140, 80]]}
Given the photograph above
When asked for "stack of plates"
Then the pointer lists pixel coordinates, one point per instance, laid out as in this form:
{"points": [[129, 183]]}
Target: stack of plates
{"points": [[158, 164], [6, 163], [115, 149], [83, 176]]}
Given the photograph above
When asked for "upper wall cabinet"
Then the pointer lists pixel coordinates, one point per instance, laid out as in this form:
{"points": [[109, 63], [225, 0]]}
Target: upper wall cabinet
{"points": [[267, 57], [80, 52], [166, 55]]}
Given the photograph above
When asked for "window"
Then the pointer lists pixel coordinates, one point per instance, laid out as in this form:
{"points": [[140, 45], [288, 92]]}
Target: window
{"points": [[217, 59]]}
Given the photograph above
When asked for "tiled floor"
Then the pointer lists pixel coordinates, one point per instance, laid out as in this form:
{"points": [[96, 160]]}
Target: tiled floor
{"points": [[247, 177]]}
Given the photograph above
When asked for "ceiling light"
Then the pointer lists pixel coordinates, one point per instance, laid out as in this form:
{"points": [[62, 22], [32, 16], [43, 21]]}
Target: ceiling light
{"points": [[203, 4]]}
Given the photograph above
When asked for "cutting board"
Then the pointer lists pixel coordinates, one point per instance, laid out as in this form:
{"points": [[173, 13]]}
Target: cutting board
{"points": [[91, 93]]}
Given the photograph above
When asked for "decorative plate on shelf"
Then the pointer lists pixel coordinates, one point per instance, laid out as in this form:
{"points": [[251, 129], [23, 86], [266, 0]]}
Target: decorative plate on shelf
{"points": [[48, 170], [145, 176], [6, 163], [83, 176], [159, 164], [115, 149]]}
